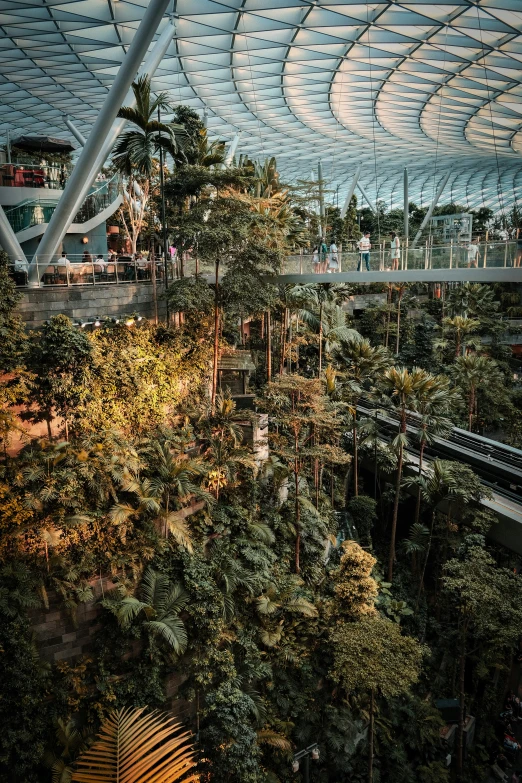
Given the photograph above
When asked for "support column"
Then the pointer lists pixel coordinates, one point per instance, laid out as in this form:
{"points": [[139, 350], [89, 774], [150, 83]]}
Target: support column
{"points": [[346, 205], [366, 198], [433, 204], [102, 135], [8, 239], [406, 207], [229, 157], [80, 138], [321, 197]]}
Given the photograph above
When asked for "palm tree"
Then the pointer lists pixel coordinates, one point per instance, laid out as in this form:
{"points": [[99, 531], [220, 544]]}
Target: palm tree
{"points": [[134, 745], [135, 151], [438, 485], [435, 400], [158, 605], [469, 373], [457, 329], [362, 363], [403, 388]]}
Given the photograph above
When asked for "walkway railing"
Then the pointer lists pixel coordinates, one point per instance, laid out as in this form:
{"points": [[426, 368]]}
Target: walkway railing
{"points": [[427, 256], [36, 212], [82, 270], [33, 175]]}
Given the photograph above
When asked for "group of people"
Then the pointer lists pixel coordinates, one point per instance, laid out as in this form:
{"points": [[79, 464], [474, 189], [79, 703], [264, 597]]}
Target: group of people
{"points": [[324, 260]]}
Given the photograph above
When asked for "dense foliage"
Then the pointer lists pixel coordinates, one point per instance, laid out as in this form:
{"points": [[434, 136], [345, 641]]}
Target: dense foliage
{"points": [[251, 586]]}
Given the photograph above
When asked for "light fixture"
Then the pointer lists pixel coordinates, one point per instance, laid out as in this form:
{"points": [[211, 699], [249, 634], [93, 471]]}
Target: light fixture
{"points": [[315, 754], [97, 321], [129, 322], [140, 318], [85, 240], [295, 766], [83, 324]]}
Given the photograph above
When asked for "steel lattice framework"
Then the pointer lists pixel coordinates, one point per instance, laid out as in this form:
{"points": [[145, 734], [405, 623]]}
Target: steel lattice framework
{"points": [[436, 86]]}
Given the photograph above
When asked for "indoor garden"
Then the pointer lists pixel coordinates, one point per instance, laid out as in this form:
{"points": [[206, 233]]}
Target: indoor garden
{"points": [[281, 582]]}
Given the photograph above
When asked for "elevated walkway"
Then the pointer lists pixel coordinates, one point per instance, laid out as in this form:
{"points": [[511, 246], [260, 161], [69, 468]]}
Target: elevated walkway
{"points": [[482, 275]]}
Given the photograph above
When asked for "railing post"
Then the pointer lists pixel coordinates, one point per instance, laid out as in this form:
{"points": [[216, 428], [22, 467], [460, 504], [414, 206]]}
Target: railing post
{"points": [[136, 269], [300, 260], [67, 267], [426, 254], [451, 254], [116, 272], [506, 253], [92, 264], [406, 253]]}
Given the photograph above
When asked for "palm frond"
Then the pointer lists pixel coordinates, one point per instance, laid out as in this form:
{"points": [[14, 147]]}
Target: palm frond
{"points": [[171, 630], [135, 745]]}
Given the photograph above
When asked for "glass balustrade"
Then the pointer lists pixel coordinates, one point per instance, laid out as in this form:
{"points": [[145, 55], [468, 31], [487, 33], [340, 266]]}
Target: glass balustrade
{"points": [[33, 212]]}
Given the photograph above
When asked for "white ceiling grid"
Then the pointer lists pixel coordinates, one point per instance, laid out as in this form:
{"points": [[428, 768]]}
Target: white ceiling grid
{"points": [[434, 86]]}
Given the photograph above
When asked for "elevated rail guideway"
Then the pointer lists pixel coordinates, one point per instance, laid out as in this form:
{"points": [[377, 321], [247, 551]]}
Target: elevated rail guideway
{"points": [[498, 466]]}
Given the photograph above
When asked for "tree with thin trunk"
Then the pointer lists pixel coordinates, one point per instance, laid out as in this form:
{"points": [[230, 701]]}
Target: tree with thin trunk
{"points": [[471, 373], [402, 387], [487, 601], [305, 430], [361, 364]]}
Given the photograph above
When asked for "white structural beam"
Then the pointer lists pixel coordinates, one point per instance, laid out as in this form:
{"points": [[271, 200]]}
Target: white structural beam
{"points": [[349, 195], [8, 239], [366, 198], [80, 138], [103, 132], [406, 206], [433, 204], [229, 157]]}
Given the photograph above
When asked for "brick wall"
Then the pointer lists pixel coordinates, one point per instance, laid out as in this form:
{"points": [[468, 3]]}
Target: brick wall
{"points": [[84, 303]]}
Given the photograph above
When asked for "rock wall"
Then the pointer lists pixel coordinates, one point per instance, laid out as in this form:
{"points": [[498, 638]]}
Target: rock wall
{"points": [[85, 303]]}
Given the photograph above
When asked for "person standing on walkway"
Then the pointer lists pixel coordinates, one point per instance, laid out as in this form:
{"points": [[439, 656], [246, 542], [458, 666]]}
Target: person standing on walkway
{"points": [[333, 264], [473, 254], [364, 246], [395, 251]]}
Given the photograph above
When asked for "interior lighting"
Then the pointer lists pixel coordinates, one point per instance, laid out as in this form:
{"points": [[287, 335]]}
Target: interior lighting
{"points": [[315, 754], [295, 766], [85, 240]]}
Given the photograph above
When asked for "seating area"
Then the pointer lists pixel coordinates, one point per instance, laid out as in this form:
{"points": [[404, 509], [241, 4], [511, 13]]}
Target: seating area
{"points": [[27, 176]]}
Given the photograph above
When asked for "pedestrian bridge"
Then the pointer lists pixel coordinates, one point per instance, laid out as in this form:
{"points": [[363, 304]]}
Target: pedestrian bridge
{"points": [[495, 262]]}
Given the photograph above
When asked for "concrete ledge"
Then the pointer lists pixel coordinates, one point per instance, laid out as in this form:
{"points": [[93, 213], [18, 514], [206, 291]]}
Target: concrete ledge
{"points": [[88, 302], [488, 275]]}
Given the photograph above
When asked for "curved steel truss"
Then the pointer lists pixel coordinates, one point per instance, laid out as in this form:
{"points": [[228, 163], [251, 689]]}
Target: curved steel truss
{"points": [[431, 85]]}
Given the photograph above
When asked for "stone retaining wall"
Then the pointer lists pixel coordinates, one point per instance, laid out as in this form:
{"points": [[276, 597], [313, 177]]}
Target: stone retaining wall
{"points": [[85, 303]]}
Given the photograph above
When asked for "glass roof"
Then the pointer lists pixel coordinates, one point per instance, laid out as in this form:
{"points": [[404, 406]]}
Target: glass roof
{"points": [[436, 86]]}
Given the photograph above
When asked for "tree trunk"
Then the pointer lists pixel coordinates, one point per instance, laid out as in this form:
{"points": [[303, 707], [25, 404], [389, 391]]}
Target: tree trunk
{"points": [[297, 517], [283, 341], [398, 324], [421, 580], [370, 737], [355, 456], [216, 340], [462, 700], [268, 348], [49, 431], [418, 506], [320, 339], [470, 408], [391, 560]]}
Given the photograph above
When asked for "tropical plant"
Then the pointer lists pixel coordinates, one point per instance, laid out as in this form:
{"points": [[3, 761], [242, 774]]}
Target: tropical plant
{"points": [[158, 605], [136, 745], [361, 364]]}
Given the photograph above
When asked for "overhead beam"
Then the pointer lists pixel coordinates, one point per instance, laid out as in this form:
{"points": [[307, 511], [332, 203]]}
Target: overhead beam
{"points": [[8, 239], [229, 157], [366, 198], [102, 136], [406, 206], [349, 195], [80, 138], [433, 204]]}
